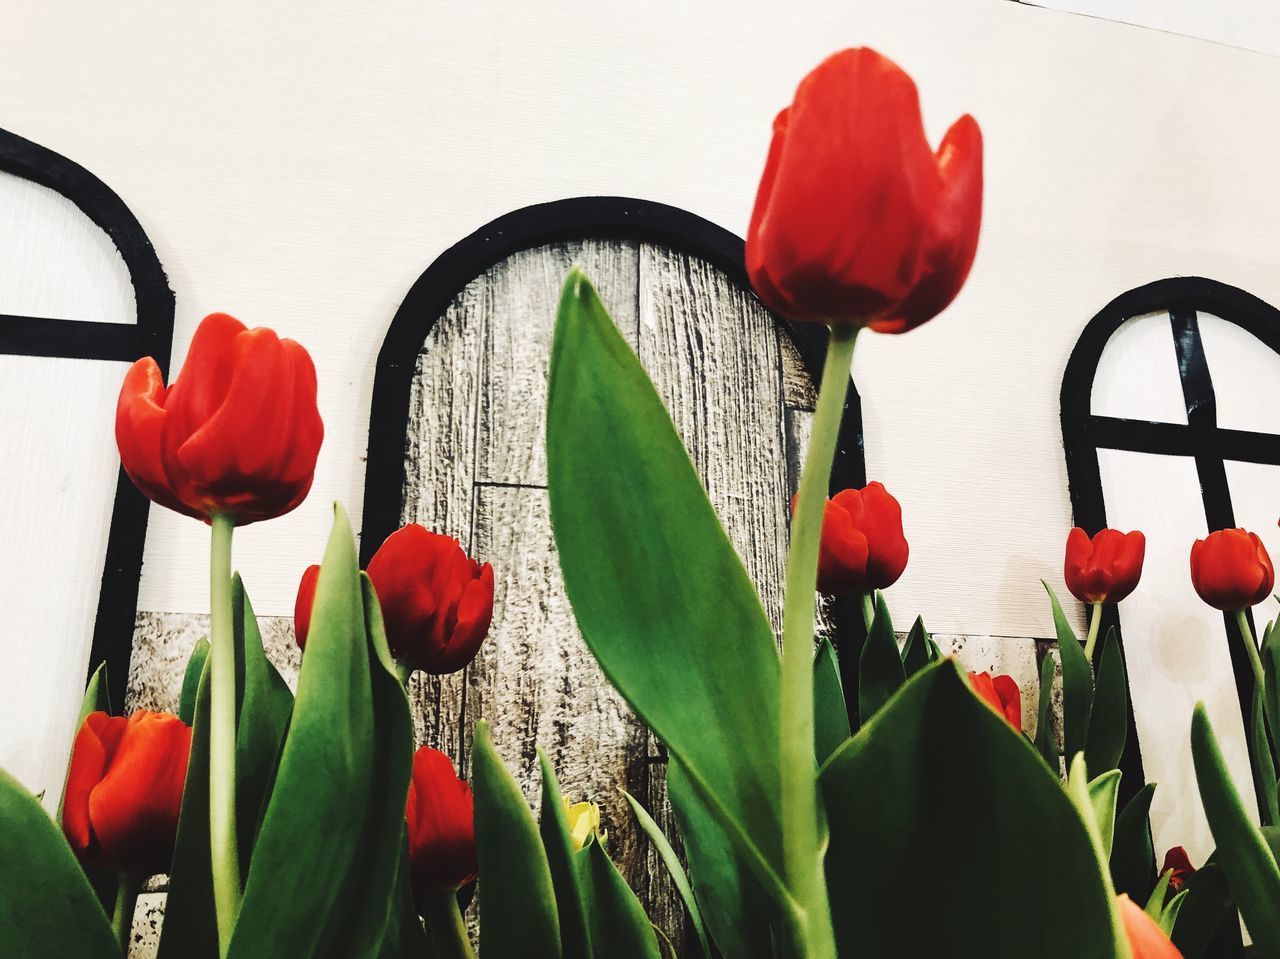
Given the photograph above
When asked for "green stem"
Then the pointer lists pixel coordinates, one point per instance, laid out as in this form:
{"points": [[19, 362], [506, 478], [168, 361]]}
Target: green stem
{"points": [[122, 916], [1095, 620], [404, 672], [800, 813], [223, 845], [1255, 660], [445, 928], [869, 608]]}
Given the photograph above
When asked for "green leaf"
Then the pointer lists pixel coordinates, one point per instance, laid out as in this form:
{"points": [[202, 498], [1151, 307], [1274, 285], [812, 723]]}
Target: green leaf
{"points": [[1103, 792], [1078, 789], [191, 681], [1245, 856], [660, 596], [47, 908], [921, 796], [1109, 717], [315, 876], [1169, 916], [1207, 924], [1264, 767], [1077, 683], [916, 651], [518, 916], [97, 698], [880, 671], [1133, 862], [553, 826], [405, 936], [734, 907], [1046, 743], [619, 927], [1271, 677], [1155, 902], [830, 712], [678, 877]]}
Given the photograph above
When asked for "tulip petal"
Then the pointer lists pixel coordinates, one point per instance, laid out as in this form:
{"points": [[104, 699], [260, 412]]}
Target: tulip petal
{"points": [[94, 746], [842, 555], [140, 421]]}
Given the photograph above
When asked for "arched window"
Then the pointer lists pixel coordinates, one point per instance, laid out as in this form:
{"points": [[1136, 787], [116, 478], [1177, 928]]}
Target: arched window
{"points": [[456, 443], [1170, 426], [82, 295]]}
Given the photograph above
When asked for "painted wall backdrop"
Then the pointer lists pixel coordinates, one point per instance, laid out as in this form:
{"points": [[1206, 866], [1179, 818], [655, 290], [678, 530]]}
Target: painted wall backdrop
{"points": [[303, 172]]}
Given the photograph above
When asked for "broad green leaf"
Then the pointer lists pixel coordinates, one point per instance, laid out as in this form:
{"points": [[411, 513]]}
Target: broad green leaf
{"points": [[1244, 854], [1103, 791], [191, 681], [1046, 742], [921, 796], [1207, 926], [678, 877], [1264, 767], [1077, 683], [298, 898], [553, 826], [405, 937], [830, 712], [1133, 862], [1079, 789], [518, 916], [659, 593], [619, 927], [1109, 717], [916, 651], [735, 909], [47, 908], [880, 671], [1271, 676]]}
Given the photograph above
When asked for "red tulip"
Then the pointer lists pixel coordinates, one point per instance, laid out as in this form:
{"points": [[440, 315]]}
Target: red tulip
{"points": [[1146, 939], [442, 832], [863, 547], [124, 791], [857, 221], [437, 603], [1231, 570], [236, 434], [1178, 864], [1002, 694], [1106, 568]]}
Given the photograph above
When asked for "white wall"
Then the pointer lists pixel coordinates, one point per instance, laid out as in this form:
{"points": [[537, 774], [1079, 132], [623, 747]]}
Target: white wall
{"points": [[300, 171], [1249, 24]]}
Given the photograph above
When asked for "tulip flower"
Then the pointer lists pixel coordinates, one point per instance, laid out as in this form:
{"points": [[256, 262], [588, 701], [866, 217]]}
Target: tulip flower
{"points": [[124, 791], [1146, 939], [857, 221], [863, 547], [584, 822], [236, 435], [1231, 570], [1002, 694], [437, 603], [1178, 864], [442, 836], [1102, 569]]}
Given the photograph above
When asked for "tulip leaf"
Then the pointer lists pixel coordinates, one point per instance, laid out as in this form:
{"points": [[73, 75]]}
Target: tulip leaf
{"points": [[1155, 902], [1103, 792], [1264, 767], [324, 859], [917, 651], [1133, 862], [1169, 915], [660, 596], [830, 712], [1271, 677], [1046, 742], [518, 915], [405, 936], [47, 907], [191, 681], [880, 671], [735, 909], [679, 878], [1109, 717], [1077, 683], [1207, 924], [1248, 861], [553, 825], [619, 927], [97, 696], [922, 795]]}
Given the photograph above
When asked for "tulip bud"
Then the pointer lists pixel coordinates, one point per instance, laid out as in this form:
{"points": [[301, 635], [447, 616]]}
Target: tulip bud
{"points": [[237, 433], [441, 823], [1002, 694], [857, 221], [124, 791], [863, 547], [1231, 570], [1106, 568], [584, 822], [1178, 864]]}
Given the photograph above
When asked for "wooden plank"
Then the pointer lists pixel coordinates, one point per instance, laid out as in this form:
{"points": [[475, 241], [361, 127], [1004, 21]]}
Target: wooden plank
{"points": [[520, 315]]}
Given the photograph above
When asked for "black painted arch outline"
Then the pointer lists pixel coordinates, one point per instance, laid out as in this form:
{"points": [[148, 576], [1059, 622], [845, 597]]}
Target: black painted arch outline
{"points": [[579, 218], [151, 335]]}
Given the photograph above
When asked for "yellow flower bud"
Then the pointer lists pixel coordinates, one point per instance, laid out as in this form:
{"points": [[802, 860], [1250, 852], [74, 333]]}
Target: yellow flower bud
{"points": [[584, 822]]}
